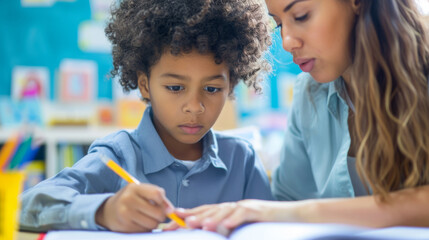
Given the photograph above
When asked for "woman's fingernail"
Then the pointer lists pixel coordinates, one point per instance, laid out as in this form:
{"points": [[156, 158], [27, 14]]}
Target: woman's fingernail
{"points": [[180, 210], [190, 219], [222, 230]]}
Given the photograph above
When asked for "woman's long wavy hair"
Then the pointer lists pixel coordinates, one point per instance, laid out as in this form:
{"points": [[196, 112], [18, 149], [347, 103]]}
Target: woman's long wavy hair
{"points": [[390, 86]]}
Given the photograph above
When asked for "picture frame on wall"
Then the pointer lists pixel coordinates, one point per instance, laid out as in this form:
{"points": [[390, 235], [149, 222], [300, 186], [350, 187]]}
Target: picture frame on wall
{"points": [[30, 82], [78, 80]]}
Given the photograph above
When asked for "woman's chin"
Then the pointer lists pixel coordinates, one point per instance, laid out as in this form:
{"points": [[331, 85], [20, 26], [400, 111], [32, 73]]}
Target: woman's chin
{"points": [[323, 78]]}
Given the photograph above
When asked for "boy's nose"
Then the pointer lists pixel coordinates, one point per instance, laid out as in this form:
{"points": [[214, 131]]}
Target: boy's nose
{"points": [[194, 105]]}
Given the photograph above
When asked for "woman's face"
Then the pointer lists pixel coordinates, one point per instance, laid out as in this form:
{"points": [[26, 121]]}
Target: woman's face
{"points": [[318, 33]]}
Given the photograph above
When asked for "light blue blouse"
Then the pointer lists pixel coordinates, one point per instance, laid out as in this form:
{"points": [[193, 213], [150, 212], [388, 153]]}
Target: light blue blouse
{"points": [[314, 156], [229, 170]]}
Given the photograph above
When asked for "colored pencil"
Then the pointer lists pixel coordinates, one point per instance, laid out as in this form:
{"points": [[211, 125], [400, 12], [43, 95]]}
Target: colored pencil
{"points": [[8, 150], [127, 177]]}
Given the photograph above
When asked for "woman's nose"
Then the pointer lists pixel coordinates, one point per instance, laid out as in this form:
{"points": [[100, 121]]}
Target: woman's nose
{"points": [[290, 41]]}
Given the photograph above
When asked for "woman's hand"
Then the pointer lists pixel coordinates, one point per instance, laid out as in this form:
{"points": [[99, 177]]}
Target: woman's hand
{"points": [[224, 217], [135, 208], [406, 207]]}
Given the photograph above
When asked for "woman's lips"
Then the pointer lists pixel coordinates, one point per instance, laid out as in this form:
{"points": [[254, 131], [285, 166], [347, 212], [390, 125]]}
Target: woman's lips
{"points": [[306, 64]]}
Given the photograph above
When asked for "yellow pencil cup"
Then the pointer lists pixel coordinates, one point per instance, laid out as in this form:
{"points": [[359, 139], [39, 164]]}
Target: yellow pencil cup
{"points": [[10, 188]]}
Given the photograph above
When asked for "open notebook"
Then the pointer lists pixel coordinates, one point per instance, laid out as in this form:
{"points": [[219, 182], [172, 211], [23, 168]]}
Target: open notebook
{"points": [[258, 231]]}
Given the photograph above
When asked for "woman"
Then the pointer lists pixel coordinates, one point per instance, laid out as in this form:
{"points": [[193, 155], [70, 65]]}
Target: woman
{"points": [[358, 130]]}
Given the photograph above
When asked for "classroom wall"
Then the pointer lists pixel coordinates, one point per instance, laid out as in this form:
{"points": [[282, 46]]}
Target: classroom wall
{"points": [[43, 36], [47, 33]]}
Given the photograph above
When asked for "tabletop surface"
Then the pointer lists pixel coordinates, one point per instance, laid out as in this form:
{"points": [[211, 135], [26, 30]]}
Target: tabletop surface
{"points": [[27, 236]]}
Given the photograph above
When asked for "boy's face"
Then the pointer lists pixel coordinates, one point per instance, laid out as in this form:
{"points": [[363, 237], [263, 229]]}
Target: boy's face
{"points": [[187, 94]]}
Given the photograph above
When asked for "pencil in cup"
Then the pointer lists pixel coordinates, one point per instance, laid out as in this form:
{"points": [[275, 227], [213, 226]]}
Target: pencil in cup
{"points": [[127, 177]]}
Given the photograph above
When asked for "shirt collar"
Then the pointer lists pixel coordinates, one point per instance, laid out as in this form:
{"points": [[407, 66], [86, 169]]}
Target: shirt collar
{"points": [[210, 150], [156, 156], [335, 97]]}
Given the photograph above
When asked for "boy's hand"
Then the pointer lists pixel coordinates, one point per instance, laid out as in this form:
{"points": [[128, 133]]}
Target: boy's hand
{"points": [[171, 226], [135, 208]]}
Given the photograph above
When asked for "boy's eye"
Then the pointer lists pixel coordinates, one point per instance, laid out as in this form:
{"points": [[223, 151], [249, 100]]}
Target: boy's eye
{"points": [[174, 88], [301, 18], [212, 89]]}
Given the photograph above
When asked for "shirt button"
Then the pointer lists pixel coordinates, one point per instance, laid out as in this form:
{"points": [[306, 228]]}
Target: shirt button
{"points": [[84, 224], [185, 182]]}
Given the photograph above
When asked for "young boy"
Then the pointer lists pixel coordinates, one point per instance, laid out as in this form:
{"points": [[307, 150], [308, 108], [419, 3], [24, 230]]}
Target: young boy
{"points": [[185, 57]]}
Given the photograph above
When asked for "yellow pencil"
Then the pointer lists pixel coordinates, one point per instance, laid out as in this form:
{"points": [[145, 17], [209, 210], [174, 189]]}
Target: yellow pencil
{"points": [[127, 177]]}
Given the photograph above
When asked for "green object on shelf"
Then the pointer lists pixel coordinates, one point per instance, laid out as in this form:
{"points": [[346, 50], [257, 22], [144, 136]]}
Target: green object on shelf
{"points": [[68, 158], [23, 149]]}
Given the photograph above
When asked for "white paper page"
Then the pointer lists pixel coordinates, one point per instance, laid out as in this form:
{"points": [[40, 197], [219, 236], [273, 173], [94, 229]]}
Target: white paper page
{"points": [[105, 235], [259, 231], [293, 231], [395, 233]]}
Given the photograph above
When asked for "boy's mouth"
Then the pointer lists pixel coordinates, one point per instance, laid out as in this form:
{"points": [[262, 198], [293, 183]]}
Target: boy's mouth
{"points": [[191, 129]]}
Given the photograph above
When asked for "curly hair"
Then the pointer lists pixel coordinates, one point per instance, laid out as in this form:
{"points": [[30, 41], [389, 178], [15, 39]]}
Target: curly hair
{"points": [[236, 31]]}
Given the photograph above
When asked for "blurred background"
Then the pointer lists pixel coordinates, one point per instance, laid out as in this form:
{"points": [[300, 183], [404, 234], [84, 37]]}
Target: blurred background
{"points": [[56, 95]]}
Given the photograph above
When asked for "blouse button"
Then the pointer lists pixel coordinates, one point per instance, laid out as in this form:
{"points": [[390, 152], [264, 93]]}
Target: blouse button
{"points": [[84, 224], [185, 182]]}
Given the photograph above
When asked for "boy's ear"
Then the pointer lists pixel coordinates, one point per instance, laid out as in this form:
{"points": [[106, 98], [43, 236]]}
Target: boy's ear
{"points": [[143, 83]]}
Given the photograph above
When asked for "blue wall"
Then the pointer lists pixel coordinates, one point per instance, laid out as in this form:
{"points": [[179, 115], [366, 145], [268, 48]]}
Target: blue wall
{"points": [[43, 36]]}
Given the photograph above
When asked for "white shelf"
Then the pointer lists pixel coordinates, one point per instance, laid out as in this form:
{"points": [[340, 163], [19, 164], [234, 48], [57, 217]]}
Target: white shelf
{"points": [[51, 137]]}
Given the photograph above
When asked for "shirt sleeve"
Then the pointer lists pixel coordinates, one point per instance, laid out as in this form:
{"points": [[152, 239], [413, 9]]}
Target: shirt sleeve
{"points": [[70, 199], [293, 179]]}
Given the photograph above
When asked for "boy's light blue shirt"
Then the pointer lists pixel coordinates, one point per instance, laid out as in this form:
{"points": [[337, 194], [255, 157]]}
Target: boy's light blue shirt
{"points": [[314, 156], [229, 170]]}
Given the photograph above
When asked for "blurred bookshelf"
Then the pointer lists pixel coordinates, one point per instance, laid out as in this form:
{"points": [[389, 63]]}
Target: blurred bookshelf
{"points": [[53, 137], [60, 132]]}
